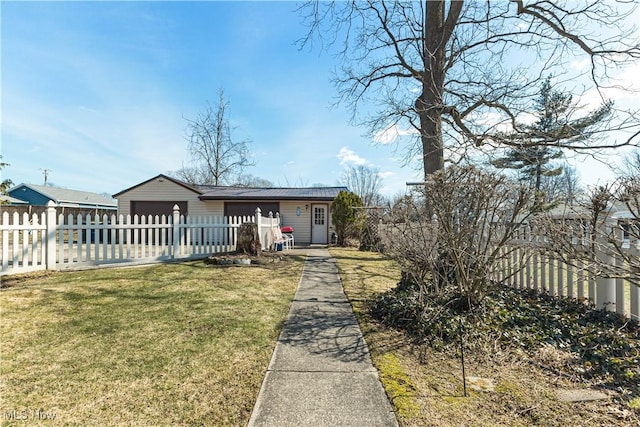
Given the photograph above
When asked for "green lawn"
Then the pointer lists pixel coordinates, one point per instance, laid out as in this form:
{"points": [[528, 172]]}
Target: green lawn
{"points": [[179, 344]]}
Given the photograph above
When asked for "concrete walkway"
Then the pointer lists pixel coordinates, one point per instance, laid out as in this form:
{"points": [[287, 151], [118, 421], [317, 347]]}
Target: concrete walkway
{"points": [[320, 372]]}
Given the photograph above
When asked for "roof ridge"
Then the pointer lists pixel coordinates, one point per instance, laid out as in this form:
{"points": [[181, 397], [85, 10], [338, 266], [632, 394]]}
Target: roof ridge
{"points": [[264, 193]]}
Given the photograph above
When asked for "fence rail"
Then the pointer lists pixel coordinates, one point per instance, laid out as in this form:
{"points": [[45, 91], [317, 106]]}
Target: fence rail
{"points": [[52, 241]]}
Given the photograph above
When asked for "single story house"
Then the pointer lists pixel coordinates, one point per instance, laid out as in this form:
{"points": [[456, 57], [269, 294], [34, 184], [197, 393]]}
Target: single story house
{"points": [[40, 195], [307, 210]]}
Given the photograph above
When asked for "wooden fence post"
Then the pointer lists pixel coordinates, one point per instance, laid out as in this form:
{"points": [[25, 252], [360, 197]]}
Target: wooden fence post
{"points": [[50, 234], [176, 231], [258, 221]]}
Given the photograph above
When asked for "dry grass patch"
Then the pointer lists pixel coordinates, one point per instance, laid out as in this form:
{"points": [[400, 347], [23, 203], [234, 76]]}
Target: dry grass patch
{"points": [[417, 376], [179, 344]]}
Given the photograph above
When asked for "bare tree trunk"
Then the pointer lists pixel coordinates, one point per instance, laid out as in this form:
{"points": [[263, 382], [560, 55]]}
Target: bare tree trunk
{"points": [[432, 150], [429, 105]]}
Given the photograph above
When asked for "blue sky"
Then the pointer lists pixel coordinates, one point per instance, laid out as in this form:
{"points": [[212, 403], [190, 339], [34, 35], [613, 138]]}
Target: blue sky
{"points": [[97, 93]]}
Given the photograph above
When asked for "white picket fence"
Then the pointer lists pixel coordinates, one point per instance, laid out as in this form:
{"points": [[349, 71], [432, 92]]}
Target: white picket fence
{"points": [[525, 264], [53, 242]]}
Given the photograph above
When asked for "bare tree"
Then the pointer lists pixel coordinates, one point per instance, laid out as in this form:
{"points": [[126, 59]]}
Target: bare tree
{"points": [[364, 181], [458, 73], [191, 175], [248, 180], [196, 176], [631, 165], [217, 158], [564, 188]]}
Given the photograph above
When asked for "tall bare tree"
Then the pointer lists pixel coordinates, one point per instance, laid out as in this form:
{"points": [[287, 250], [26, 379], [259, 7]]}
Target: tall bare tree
{"points": [[459, 72], [364, 181], [217, 158]]}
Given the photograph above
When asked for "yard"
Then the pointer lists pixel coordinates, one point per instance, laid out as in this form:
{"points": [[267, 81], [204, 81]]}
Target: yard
{"points": [[176, 344], [187, 344], [425, 385]]}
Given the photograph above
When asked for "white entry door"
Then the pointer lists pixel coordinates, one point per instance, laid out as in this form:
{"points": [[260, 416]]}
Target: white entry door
{"points": [[319, 224]]}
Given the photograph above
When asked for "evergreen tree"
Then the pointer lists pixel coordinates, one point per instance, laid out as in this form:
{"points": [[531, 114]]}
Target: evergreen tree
{"points": [[534, 156], [7, 183], [345, 216]]}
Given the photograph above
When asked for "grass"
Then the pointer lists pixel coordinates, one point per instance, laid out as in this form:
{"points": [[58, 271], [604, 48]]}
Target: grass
{"points": [[178, 344], [425, 385]]}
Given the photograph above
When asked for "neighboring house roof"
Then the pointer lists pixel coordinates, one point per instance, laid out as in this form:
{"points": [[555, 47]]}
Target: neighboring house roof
{"points": [[195, 189], [4, 199], [64, 196], [615, 211], [246, 193], [569, 212]]}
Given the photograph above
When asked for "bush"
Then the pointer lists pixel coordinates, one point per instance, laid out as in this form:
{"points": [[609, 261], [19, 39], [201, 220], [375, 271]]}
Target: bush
{"points": [[451, 237], [346, 218]]}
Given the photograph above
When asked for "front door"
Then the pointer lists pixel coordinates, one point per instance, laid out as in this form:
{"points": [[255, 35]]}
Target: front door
{"points": [[319, 224]]}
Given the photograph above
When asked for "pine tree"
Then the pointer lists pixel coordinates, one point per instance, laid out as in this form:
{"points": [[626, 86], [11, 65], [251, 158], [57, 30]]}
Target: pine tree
{"points": [[533, 157]]}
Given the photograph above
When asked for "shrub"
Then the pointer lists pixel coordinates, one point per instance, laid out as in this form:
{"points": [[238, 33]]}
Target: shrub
{"points": [[451, 236], [347, 219]]}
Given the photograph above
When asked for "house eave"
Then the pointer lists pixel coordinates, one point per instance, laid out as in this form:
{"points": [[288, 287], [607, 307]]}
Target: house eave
{"points": [[263, 198]]}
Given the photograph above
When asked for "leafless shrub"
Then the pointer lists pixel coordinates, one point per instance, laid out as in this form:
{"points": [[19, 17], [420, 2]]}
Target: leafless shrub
{"points": [[453, 234], [601, 235]]}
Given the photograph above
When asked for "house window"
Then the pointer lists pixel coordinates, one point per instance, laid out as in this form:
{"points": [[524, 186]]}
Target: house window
{"points": [[318, 216]]}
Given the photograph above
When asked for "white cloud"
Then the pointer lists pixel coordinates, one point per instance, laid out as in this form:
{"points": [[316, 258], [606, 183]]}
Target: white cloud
{"points": [[391, 134], [348, 156], [580, 65]]}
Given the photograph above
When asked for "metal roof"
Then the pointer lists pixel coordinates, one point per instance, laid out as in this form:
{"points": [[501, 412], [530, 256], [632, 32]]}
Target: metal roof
{"points": [[66, 196], [246, 193]]}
